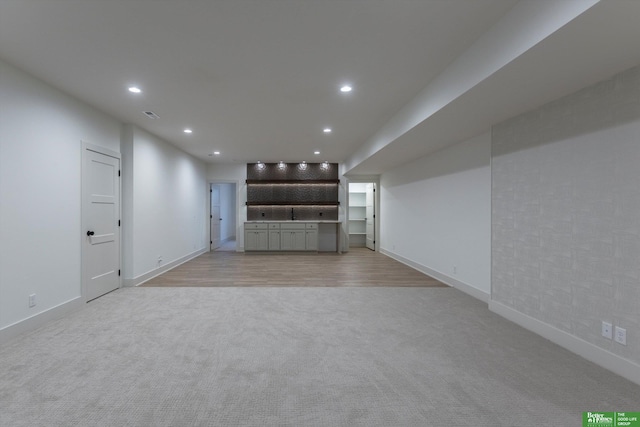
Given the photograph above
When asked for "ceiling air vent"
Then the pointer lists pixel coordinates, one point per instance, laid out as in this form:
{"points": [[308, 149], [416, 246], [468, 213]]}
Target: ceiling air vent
{"points": [[151, 114]]}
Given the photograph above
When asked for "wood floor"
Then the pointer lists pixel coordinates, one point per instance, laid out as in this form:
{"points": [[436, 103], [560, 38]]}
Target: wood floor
{"points": [[358, 267]]}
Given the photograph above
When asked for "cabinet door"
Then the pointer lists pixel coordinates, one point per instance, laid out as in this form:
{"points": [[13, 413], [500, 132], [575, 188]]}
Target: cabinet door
{"points": [[299, 243], [311, 240], [256, 240], [250, 240], [262, 237], [274, 240], [286, 240]]}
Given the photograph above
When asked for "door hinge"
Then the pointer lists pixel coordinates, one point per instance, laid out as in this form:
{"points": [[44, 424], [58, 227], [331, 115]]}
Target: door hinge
{"points": [[118, 172], [118, 223], [210, 216], [118, 272], [211, 242]]}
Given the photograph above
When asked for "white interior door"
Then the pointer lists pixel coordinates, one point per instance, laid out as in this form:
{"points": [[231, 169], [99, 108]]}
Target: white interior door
{"points": [[370, 215], [215, 216], [101, 217]]}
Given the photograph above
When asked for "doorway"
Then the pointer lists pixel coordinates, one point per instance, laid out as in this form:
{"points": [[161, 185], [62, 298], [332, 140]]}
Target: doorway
{"points": [[362, 215], [223, 216]]}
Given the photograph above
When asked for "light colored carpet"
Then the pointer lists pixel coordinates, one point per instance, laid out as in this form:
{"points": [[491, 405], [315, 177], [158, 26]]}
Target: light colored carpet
{"points": [[296, 357]]}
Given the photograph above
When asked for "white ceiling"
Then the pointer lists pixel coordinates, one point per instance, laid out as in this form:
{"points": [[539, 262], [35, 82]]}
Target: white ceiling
{"points": [[259, 79], [594, 46], [256, 80]]}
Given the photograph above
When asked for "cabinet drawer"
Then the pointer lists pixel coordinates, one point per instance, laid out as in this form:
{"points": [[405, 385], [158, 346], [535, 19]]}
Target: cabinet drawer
{"points": [[274, 226], [312, 226], [292, 226], [253, 226]]}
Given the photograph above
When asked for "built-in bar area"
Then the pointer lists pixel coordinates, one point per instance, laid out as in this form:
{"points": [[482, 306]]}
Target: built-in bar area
{"points": [[292, 207]]}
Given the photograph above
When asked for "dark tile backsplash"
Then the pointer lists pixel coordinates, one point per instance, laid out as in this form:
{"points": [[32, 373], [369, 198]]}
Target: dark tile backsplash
{"points": [[283, 213], [292, 193], [295, 195]]}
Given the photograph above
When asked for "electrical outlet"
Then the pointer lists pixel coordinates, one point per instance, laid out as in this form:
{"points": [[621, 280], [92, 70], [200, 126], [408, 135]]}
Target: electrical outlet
{"points": [[32, 300], [621, 335], [607, 330], [455, 269], [159, 259]]}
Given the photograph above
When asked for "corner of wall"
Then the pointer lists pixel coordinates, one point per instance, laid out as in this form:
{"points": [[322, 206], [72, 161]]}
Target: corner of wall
{"points": [[444, 278]]}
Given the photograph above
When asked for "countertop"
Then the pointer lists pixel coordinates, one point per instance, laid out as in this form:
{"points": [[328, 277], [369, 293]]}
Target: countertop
{"points": [[296, 221]]}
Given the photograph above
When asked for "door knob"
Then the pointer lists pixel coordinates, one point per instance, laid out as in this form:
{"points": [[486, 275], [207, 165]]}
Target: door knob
{"points": [[90, 233]]}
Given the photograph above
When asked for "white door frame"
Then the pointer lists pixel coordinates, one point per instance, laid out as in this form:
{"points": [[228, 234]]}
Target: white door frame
{"points": [[239, 224], [214, 220], [370, 196], [84, 214], [376, 204]]}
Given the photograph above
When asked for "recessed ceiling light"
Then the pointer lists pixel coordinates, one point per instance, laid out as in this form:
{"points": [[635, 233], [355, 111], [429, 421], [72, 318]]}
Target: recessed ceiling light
{"points": [[216, 153], [346, 88], [326, 130], [134, 89], [187, 131], [316, 152]]}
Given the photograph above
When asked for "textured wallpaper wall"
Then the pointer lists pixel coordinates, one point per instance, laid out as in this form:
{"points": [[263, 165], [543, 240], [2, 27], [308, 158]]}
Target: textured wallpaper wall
{"points": [[566, 212]]}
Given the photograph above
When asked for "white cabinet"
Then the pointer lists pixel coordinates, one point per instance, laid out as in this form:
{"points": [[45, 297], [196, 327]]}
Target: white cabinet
{"points": [[292, 237], [280, 236], [256, 237], [311, 237], [274, 237]]}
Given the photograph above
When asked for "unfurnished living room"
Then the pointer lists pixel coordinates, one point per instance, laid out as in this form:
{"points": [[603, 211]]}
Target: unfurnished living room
{"points": [[319, 213]]}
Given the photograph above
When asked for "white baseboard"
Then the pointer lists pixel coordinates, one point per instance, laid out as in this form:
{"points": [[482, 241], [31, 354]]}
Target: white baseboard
{"points": [[38, 320], [601, 357], [448, 280], [139, 280]]}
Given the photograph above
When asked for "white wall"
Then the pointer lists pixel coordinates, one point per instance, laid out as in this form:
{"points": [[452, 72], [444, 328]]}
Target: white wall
{"points": [[169, 197], [566, 215], [435, 214], [41, 130]]}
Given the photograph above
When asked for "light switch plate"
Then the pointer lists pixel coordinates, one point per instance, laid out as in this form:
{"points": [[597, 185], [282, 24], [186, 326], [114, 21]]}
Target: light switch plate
{"points": [[607, 330], [621, 335]]}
